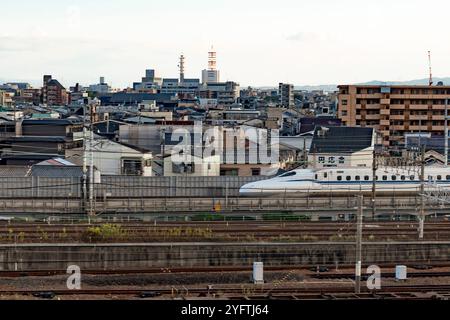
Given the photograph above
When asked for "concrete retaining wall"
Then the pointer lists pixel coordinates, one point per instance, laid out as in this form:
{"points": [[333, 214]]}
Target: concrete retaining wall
{"points": [[49, 257]]}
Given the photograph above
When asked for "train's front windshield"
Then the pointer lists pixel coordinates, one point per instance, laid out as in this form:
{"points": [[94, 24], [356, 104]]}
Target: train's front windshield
{"points": [[288, 174]]}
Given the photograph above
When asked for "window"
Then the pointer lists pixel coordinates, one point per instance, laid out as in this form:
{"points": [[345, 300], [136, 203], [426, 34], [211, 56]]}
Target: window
{"points": [[339, 178], [412, 178], [448, 177], [317, 177], [385, 178], [288, 174], [132, 167], [358, 178], [394, 178], [439, 178], [349, 178], [183, 168], [344, 113], [366, 178], [403, 178], [229, 172], [376, 178], [325, 175], [344, 102], [256, 171]]}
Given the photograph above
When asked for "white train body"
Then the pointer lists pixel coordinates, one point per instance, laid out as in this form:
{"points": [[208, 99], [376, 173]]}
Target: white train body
{"points": [[340, 180]]}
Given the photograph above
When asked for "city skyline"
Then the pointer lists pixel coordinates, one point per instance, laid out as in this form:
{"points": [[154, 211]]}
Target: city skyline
{"points": [[258, 44]]}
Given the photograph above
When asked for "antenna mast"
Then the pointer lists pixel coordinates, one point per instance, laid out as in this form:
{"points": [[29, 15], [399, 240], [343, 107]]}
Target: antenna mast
{"points": [[181, 66], [431, 73]]}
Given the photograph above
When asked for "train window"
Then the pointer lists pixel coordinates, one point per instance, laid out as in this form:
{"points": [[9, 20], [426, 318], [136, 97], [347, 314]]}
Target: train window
{"points": [[357, 178], [394, 178], [349, 178], [376, 178], [288, 174], [385, 178], [412, 178], [339, 178], [403, 178], [317, 177], [439, 178], [430, 178], [367, 178], [448, 177], [325, 175]]}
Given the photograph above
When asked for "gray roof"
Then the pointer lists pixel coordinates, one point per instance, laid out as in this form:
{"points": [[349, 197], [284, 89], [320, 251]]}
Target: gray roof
{"points": [[14, 171], [140, 120], [341, 139], [53, 122], [122, 97], [57, 171]]}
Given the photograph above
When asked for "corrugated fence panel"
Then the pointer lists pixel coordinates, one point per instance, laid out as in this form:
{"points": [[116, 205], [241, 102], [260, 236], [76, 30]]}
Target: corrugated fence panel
{"points": [[124, 187]]}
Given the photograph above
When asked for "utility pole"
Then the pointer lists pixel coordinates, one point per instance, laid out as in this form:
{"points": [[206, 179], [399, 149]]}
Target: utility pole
{"points": [[374, 182], [422, 194], [85, 150], [359, 244], [91, 162], [305, 154]]}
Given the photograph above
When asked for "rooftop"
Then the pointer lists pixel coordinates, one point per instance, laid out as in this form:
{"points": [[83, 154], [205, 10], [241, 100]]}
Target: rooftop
{"points": [[341, 139]]}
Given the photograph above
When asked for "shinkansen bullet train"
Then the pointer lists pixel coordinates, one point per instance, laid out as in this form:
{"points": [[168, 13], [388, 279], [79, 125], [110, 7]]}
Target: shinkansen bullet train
{"points": [[349, 180]]}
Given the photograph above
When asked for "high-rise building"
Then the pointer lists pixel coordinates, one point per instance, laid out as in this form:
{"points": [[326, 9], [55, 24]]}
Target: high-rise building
{"points": [[286, 95], [211, 75], [394, 110], [101, 87], [149, 83]]}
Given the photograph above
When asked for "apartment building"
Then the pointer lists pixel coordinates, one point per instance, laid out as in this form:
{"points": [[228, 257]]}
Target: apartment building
{"points": [[286, 94], [53, 93], [394, 110]]}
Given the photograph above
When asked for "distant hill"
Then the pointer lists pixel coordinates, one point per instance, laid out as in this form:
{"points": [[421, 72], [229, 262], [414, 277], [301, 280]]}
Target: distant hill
{"points": [[446, 81], [333, 87]]}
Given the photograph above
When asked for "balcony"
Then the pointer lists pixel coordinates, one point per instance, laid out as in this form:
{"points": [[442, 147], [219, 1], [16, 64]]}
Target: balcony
{"points": [[418, 117], [397, 117], [369, 96], [438, 117], [385, 101], [398, 127], [418, 107], [397, 107], [384, 123], [373, 117], [385, 112], [418, 128]]}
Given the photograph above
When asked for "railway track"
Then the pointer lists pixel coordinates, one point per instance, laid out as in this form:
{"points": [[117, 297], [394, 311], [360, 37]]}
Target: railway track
{"points": [[257, 291], [310, 271], [230, 230]]}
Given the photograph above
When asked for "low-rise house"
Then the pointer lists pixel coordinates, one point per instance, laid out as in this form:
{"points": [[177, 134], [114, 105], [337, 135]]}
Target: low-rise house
{"points": [[342, 147], [192, 167], [116, 158]]}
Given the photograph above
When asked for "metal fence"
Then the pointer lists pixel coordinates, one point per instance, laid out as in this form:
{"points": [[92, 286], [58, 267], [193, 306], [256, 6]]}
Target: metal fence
{"points": [[124, 187], [39, 187]]}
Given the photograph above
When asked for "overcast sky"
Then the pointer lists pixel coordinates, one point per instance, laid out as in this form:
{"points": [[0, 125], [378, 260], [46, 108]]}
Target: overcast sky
{"points": [[259, 42]]}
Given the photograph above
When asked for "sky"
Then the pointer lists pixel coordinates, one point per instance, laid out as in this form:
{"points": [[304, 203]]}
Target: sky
{"points": [[259, 42]]}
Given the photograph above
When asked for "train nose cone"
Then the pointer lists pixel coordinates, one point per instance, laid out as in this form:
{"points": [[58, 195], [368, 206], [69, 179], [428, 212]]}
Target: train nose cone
{"points": [[249, 189]]}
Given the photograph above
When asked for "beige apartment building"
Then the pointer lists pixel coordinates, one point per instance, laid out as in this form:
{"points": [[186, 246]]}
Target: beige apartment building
{"points": [[394, 110]]}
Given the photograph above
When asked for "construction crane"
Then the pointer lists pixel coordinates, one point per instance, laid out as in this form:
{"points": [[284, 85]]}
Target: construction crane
{"points": [[429, 64]]}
